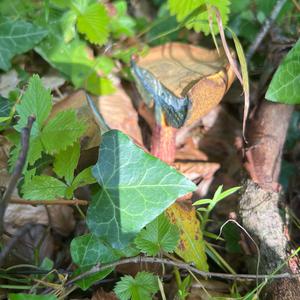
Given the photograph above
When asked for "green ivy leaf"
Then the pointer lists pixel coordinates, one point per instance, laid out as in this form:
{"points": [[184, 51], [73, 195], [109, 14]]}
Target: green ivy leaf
{"points": [[93, 23], [43, 187], [159, 235], [5, 109], [17, 37], [136, 187], [21, 296], [62, 131], [66, 161], [36, 101], [88, 281], [88, 250], [285, 84], [143, 286], [186, 11]]}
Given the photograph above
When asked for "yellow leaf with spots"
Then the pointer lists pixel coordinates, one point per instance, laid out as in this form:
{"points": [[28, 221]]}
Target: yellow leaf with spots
{"points": [[191, 245]]}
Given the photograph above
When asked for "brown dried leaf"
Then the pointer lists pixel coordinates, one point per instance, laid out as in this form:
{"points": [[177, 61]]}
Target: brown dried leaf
{"points": [[119, 113]]}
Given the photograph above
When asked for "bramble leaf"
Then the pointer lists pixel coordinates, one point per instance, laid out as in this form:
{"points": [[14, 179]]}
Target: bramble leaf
{"points": [[17, 37], [62, 131], [159, 235], [143, 286], [36, 101], [66, 161], [285, 84], [136, 187], [93, 23], [43, 187]]}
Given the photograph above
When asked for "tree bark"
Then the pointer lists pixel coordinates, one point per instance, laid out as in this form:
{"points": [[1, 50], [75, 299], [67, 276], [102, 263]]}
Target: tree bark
{"points": [[259, 204]]}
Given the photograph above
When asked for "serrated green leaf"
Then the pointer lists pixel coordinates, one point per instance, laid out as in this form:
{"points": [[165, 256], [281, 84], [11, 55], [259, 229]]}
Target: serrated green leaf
{"points": [[17, 37], [93, 23], [136, 187], [88, 250], [73, 59], [199, 22], [121, 23], [159, 235], [66, 161], [62, 131], [43, 187], [285, 84], [83, 178], [21, 296], [36, 101], [142, 287]]}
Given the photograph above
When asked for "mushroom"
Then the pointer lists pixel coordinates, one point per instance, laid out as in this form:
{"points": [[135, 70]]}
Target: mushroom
{"points": [[181, 83]]}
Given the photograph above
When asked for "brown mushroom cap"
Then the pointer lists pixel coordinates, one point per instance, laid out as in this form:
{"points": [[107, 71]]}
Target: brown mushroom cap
{"points": [[201, 74]]}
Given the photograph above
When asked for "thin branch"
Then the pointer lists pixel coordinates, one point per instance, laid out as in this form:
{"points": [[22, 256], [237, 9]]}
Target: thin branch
{"points": [[11, 243], [49, 202], [265, 29], [153, 260], [25, 136]]}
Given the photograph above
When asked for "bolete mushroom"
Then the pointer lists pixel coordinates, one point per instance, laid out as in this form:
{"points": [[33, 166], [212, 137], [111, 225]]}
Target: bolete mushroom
{"points": [[181, 83]]}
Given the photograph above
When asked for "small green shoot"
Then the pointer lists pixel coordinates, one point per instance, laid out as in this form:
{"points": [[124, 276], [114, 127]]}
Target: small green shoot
{"points": [[211, 203]]}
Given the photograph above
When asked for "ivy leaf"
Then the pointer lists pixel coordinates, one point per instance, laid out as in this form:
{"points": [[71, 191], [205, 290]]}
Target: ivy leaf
{"points": [[187, 11], [93, 23], [43, 187], [159, 235], [88, 250], [17, 37], [88, 281], [5, 110], [285, 84], [136, 187], [143, 286], [62, 131], [66, 161], [36, 101]]}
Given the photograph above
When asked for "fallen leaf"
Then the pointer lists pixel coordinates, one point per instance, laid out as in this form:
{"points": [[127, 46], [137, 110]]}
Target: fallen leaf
{"points": [[100, 294], [191, 245], [119, 113]]}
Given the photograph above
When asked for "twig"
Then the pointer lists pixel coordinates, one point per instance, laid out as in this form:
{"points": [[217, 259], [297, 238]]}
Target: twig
{"points": [[21, 232], [25, 135], [265, 29], [152, 260], [49, 202]]}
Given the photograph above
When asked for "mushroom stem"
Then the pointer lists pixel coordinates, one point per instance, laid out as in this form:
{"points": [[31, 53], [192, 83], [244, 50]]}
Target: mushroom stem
{"points": [[163, 143]]}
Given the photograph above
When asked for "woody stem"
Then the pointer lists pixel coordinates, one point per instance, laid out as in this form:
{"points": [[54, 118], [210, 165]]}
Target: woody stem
{"points": [[163, 143]]}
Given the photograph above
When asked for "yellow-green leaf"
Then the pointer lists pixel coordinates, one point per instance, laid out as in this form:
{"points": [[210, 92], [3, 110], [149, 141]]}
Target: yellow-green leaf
{"points": [[191, 245]]}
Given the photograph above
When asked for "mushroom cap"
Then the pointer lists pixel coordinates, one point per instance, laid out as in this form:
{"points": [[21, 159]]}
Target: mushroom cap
{"points": [[200, 74]]}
